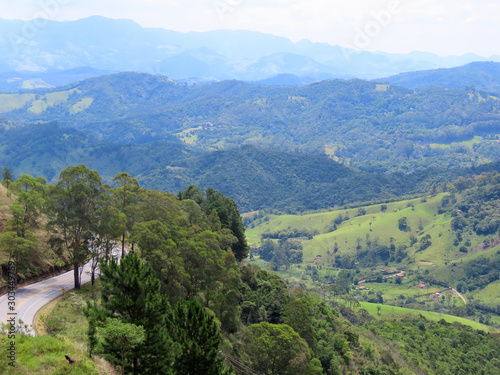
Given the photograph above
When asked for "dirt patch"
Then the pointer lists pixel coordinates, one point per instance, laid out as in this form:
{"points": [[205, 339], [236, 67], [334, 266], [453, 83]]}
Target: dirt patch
{"points": [[425, 262]]}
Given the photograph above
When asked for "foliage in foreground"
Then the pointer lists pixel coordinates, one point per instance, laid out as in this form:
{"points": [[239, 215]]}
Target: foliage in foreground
{"points": [[44, 355], [142, 333]]}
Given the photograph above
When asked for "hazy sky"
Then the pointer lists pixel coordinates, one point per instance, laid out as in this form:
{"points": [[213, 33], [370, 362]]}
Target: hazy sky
{"points": [[445, 27]]}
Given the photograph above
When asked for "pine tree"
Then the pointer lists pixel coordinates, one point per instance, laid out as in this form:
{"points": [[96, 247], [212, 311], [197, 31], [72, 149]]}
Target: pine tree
{"points": [[8, 177], [199, 336], [131, 293]]}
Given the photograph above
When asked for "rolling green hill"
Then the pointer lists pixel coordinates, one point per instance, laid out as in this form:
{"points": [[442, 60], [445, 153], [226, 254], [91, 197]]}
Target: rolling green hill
{"points": [[399, 142], [442, 241]]}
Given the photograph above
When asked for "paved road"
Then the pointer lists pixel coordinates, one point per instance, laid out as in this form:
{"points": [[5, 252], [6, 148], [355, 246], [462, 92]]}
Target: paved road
{"points": [[32, 298]]}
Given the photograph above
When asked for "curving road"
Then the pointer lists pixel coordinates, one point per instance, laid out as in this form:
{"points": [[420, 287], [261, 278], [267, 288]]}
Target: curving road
{"points": [[31, 298]]}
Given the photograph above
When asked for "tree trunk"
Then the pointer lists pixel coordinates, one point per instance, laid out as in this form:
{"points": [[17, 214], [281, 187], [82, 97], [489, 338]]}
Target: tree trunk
{"points": [[123, 245], [108, 248], [77, 276]]}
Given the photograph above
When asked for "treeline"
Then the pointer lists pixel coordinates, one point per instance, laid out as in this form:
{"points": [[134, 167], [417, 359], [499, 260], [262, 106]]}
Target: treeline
{"points": [[294, 233], [281, 254], [479, 273]]}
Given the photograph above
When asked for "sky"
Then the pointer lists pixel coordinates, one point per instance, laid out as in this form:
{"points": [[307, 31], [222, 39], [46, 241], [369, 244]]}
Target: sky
{"points": [[443, 27]]}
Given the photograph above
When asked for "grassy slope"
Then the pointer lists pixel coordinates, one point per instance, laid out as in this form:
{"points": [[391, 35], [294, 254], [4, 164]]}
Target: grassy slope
{"points": [[45, 260], [422, 217], [5, 202], [394, 312], [381, 225], [45, 354], [441, 260]]}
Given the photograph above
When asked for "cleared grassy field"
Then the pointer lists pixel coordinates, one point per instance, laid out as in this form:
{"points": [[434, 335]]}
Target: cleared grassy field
{"points": [[49, 100], [369, 223], [393, 312], [490, 294], [11, 102], [442, 261], [82, 105]]}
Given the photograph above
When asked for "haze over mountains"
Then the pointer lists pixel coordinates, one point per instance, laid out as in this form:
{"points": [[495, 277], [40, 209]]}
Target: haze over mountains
{"points": [[123, 45], [65, 100]]}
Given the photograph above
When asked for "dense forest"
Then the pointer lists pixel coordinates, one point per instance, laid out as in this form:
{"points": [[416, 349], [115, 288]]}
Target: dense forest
{"points": [[256, 177]]}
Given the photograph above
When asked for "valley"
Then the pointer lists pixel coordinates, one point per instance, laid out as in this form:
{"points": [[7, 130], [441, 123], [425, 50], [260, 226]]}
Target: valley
{"points": [[355, 220], [401, 254]]}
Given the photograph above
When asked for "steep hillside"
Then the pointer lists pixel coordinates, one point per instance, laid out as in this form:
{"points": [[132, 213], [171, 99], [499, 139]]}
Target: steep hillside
{"points": [[292, 182], [42, 261], [6, 200], [46, 149]]}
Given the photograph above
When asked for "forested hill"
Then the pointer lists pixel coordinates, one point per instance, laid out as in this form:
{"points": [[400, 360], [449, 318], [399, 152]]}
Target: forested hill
{"points": [[157, 129], [256, 177], [362, 123], [483, 76], [132, 107], [288, 181]]}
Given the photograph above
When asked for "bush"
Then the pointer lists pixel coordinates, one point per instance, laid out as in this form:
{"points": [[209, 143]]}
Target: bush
{"points": [[53, 324]]}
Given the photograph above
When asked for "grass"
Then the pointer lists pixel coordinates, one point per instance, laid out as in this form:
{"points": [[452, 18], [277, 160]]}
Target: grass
{"points": [[64, 316], [64, 319], [11, 102], [44, 355], [31, 84], [38, 103], [49, 100], [382, 88], [490, 294], [189, 136], [376, 225], [475, 140], [82, 105], [394, 312]]}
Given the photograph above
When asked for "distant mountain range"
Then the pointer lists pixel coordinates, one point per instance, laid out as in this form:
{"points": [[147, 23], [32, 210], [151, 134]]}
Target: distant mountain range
{"points": [[26, 80], [474, 76], [122, 45]]}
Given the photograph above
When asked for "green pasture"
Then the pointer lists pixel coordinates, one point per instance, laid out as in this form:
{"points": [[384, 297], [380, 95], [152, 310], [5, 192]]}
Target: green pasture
{"points": [[393, 312]]}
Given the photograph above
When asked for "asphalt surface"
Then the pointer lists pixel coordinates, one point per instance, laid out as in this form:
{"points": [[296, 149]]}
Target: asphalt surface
{"points": [[31, 298]]}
